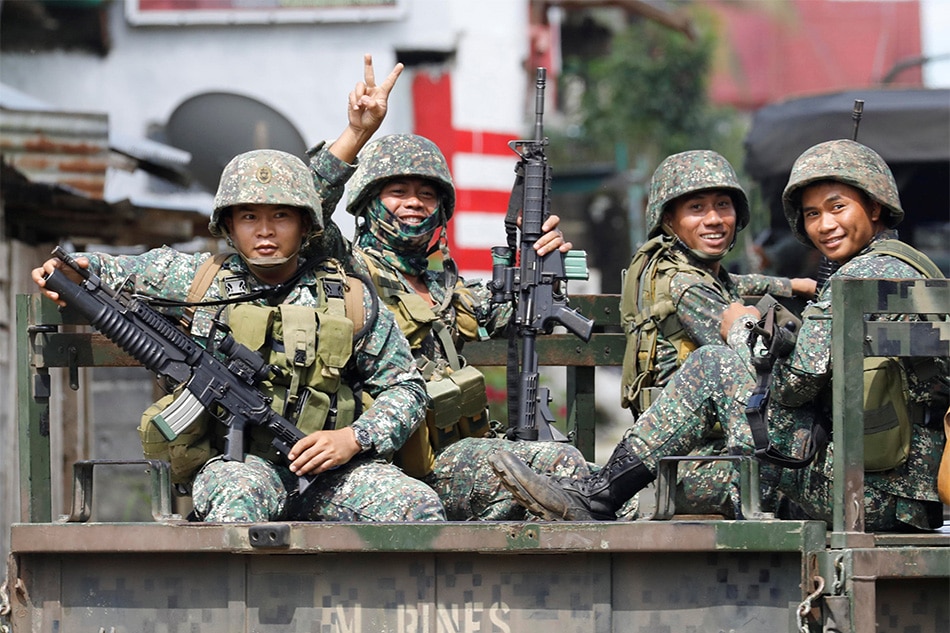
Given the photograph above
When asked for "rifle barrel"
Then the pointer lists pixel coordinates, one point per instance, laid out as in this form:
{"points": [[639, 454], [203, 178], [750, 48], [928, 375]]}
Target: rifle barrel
{"points": [[540, 81]]}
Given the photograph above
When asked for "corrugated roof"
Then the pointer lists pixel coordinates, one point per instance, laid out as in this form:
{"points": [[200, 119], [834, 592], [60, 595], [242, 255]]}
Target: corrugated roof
{"points": [[53, 167], [68, 149]]}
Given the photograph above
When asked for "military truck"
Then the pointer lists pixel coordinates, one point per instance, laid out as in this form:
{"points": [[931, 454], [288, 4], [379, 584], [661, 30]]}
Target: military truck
{"points": [[669, 572]]}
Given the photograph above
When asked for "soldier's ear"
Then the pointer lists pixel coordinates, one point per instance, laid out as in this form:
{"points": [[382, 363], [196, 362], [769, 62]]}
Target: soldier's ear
{"points": [[227, 221]]}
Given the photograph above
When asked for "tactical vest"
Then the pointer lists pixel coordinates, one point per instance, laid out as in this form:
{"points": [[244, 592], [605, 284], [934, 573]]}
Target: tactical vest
{"points": [[458, 401], [310, 347], [647, 310]]}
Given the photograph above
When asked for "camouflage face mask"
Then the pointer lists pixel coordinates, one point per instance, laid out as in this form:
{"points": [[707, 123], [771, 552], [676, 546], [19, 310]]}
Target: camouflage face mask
{"points": [[403, 245]]}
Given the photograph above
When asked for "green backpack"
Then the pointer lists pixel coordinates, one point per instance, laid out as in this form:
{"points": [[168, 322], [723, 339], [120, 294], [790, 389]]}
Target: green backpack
{"points": [[888, 419]]}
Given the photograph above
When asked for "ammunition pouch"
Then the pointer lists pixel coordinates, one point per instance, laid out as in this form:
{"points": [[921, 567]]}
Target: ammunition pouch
{"points": [[414, 316], [309, 349], [458, 408], [456, 394]]}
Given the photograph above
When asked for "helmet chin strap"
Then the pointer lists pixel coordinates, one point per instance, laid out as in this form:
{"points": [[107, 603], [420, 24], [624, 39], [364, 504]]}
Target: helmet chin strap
{"points": [[265, 262]]}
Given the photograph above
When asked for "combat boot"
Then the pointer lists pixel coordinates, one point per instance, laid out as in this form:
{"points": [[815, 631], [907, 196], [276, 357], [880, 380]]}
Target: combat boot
{"points": [[596, 497]]}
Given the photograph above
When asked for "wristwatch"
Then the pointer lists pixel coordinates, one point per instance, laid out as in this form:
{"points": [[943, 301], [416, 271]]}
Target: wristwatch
{"points": [[363, 438]]}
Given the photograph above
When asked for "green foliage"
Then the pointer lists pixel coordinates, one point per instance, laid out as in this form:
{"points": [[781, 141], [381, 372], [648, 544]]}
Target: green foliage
{"points": [[649, 94]]}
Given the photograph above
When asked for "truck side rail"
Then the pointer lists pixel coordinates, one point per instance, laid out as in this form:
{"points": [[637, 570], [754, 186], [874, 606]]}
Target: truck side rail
{"points": [[855, 337]]}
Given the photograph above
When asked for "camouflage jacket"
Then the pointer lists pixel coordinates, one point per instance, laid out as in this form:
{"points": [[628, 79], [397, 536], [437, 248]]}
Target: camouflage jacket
{"points": [[382, 357], [330, 174], [469, 314], [801, 383]]}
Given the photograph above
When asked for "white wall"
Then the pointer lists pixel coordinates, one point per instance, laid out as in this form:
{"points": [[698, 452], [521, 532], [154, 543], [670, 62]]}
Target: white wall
{"points": [[304, 71]]}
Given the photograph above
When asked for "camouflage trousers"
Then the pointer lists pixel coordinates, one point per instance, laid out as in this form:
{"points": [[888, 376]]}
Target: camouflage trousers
{"points": [[712, 386], [257, 490], [469, 488]]}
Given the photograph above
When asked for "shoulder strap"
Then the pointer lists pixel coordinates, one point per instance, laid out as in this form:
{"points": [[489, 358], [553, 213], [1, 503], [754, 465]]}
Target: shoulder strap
{"points": [[909, 255], [199, 285], [205, 275], [385, 283], [353, 302], [645, 257]]}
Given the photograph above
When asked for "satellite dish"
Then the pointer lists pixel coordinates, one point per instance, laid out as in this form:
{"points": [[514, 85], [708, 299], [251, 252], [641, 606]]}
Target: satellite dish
{"points": [[217, 126]]}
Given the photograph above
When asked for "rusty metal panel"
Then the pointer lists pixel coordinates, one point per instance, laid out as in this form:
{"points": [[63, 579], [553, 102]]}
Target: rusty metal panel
{"points": [[70, 149]]}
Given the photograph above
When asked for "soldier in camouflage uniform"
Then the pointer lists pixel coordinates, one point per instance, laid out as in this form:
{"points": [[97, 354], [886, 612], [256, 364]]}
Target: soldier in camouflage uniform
{"points": [[841, 198], [676, 290], [268, 209], [403, 196]]}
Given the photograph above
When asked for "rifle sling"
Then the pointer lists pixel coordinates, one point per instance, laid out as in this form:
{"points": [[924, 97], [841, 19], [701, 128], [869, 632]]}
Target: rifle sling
{"points": [[757, 415]]}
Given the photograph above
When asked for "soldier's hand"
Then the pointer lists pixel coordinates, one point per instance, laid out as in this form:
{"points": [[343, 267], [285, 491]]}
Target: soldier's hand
{"points": [[323, 450], [804, 287], [48, 267], [367, 105], [369, 102], [551, 237], [733, 313]]}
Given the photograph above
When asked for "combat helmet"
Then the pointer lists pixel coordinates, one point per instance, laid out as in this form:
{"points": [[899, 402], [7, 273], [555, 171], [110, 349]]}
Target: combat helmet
{"points": [[400, 155], [267, 176], [686, 172], [846, 161]]}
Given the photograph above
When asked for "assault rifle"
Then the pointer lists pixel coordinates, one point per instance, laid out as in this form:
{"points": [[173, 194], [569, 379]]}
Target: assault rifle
{"points": [[224, 388], [537, 286]]}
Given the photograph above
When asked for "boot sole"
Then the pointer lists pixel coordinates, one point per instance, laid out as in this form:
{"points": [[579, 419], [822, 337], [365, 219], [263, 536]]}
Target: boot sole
{"points": [[525, 498]]}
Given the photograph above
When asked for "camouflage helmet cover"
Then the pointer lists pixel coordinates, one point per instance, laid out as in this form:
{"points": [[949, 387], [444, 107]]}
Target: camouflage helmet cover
{"points": [[399, 155], [266, 176], [846, 161], [687, 172]]}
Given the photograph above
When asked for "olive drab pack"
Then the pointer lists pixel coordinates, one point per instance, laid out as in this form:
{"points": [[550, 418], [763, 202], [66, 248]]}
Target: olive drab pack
{"points": [[888, 413], [458, 401], [646, 311], [310, 348], [187, 452]]}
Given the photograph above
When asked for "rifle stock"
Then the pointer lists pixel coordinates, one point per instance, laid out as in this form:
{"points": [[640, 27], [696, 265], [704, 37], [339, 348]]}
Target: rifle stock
{"points": [[226, 390]]}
